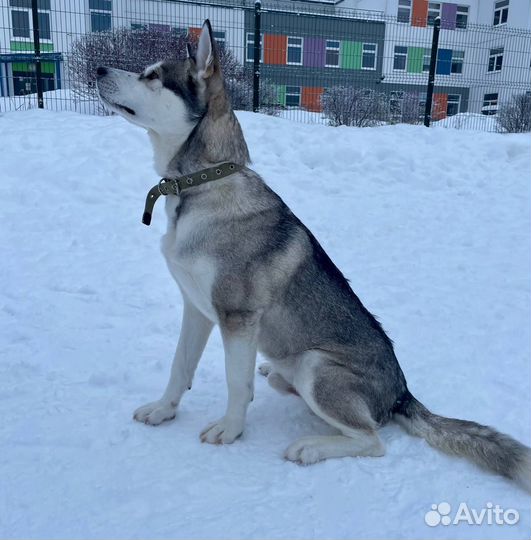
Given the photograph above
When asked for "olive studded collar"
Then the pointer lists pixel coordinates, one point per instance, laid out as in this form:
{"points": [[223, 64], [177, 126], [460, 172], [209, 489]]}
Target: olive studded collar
{"points": [[174, 186]]}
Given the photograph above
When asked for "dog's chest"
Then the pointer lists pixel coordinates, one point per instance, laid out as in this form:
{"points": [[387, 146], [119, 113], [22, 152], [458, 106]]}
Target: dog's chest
{"points": [[190, 265]]}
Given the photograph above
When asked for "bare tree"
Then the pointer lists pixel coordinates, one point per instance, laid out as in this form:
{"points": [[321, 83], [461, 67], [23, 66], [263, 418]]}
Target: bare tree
{"points": [[411, 108], [360, 107], [240, 90], [122, 48], [515, 116], [132, 50]]}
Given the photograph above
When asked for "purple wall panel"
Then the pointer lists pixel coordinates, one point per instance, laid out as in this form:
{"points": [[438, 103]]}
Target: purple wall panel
{"points": [[448, 16], [159, 27], [314, 52]]}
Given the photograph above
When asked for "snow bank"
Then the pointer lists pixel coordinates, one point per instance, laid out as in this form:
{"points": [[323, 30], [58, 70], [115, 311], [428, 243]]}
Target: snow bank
{"points": [[432, 228], [471, 121]]}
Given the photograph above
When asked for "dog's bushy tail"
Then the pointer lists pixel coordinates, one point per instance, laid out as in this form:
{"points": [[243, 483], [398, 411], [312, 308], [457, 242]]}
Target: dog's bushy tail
{"points": [[483, 445]]}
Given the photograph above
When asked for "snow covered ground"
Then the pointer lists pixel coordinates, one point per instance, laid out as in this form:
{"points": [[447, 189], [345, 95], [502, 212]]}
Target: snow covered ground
{"points": [[432, 228]]}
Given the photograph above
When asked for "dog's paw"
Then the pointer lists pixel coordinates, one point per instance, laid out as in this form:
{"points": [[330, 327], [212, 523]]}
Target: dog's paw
{"points": [[305, 451], [265, 369], [155, 413], [224, 431]]}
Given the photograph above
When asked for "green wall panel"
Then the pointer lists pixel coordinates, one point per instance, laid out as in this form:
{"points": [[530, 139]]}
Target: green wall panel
{"points": [[27, 46], [46, 67], [281, 94], [415, 59], [350, 55]]}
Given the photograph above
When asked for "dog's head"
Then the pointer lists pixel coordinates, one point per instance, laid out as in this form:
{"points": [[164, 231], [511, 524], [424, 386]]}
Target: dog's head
{"points": [[169, 96]]}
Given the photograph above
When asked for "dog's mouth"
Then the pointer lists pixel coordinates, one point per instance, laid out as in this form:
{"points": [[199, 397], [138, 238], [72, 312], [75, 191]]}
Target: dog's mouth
{"points": [[128, 110], [114, 105]]}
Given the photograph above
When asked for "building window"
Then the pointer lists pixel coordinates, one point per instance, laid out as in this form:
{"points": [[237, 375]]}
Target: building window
{"points": [[434, 11], [249, 48], [404, 11], [426, 60], [294, 51], [100, 15], [21, 19], [100, 5], [44, 25], [293, 96], [490, 104], [20, 23], [501, 12], [400, 59], [100, 22], [495, 59], [461, 18], [458, 57], [41, 4], [368, 58], [220, 39], [452, 107], [332, 53]]}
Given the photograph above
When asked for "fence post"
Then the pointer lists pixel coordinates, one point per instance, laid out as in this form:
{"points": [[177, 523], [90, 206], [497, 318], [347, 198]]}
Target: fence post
{"points": [[37, 49], [257, 55], [431, 76]]}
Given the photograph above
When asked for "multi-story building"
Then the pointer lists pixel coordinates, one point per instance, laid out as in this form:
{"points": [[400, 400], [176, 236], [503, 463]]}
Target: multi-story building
{"points": [[304, 52], [484, 52], [307, 46]]}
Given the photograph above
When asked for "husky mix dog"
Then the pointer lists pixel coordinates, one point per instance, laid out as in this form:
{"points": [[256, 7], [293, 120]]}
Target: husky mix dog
{"points": [[244, 261]]}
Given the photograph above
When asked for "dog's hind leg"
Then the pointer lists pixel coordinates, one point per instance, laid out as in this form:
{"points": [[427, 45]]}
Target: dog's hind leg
{"points": [[195, 330], [276, 380], [329, 391]]}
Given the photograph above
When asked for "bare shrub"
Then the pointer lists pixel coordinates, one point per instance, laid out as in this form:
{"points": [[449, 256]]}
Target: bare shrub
{"points": [[133, 50], [412, 110], [515, 116], [240, 89], [360, 107]]}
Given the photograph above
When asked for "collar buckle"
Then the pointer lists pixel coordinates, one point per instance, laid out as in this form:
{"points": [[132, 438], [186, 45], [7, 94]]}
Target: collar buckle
{"points": [[168, 186]]}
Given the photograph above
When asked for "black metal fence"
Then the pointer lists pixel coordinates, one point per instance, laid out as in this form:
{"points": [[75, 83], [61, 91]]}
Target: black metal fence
{"points": [[309, 62]]}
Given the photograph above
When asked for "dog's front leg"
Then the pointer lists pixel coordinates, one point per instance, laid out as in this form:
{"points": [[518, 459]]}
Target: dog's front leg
{"points": [[195, 329], [239, 333]]}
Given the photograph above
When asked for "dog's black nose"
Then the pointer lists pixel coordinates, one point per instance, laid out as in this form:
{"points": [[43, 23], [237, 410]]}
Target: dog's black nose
{"points": [[101, 71]]}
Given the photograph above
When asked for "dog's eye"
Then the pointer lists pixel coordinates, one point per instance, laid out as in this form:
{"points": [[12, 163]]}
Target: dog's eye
{"points": [[153, 75]]}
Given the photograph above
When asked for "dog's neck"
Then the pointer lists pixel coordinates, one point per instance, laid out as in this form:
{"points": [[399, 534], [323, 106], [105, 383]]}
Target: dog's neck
{"points": [[165, 146], [216, 138]]}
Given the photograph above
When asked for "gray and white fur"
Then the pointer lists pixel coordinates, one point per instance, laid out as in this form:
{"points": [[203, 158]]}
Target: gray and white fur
{"points": [[244, 261]]}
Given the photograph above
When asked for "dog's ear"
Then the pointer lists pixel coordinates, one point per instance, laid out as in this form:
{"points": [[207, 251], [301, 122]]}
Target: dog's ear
{"points": [[189, 52], [206, 57]]}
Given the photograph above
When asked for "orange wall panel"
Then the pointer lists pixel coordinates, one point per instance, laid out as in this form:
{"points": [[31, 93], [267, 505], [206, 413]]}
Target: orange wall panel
{"points": [[275, 49], [311, 98], [194, 33], [440, 104], [419, 16]]}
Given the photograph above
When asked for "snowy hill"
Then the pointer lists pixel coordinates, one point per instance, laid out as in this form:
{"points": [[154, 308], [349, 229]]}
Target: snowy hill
{"points": [[432, 228]]}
